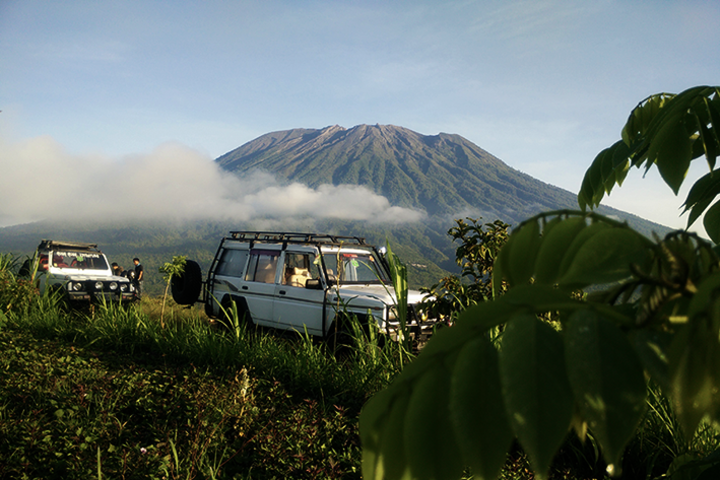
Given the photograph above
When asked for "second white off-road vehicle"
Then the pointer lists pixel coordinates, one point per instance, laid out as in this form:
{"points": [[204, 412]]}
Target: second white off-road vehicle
{"points": [[299, 281], [80, 272]]}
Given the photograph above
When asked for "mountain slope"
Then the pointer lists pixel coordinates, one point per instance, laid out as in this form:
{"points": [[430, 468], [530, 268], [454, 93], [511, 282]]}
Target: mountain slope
{"points": [[442, 174]]}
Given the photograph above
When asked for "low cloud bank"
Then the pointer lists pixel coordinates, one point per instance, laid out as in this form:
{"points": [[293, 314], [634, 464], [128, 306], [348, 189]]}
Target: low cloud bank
{"points": [[41, 181]]}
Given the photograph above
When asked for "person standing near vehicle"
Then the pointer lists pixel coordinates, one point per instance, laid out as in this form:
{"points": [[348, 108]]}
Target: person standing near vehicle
{"points": [[139, 277]]}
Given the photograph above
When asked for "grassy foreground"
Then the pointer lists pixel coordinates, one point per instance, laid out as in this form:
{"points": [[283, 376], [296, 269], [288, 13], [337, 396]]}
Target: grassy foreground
{"points": [[71, 413], [110, 393]]}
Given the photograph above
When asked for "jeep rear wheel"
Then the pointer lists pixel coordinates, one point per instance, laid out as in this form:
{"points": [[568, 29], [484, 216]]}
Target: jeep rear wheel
{"points": [[186, 286]]}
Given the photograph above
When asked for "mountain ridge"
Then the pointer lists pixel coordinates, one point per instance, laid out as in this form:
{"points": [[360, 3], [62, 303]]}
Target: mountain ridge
{"points": [[443, 174]]}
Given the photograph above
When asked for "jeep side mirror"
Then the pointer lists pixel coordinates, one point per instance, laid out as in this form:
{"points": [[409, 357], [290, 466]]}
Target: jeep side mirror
{"points": [[313, 284]]}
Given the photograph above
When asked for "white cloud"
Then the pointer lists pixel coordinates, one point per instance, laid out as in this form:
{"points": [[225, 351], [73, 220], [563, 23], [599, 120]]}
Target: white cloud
{"points": [[42, 181]]}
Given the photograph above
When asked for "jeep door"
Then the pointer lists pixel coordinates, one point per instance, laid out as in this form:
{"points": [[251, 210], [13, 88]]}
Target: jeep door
{"points": [[259, 286], [229, 273], [300, 295]]}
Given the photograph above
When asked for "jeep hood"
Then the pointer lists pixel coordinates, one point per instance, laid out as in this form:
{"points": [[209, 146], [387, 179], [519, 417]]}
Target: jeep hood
{"points": [[375, 292]]}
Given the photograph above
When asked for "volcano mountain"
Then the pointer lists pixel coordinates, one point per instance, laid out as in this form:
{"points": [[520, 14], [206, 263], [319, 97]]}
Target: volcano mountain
{"points": [[444, 175]]}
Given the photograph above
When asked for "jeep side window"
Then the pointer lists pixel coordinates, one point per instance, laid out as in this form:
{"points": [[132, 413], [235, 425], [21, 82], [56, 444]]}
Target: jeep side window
{"points": [[232, 263], [262, 267], [299, 268]]}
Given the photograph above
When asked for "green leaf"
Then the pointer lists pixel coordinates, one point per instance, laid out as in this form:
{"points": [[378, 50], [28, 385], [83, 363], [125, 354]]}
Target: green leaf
{"points": [[607, 379], [553, 248], [536, 389], [642, 116], [708, 136], [583, 236], [621, 165], [694, 369], [608, 167], [592, 185], [501, 270], [672, 151], [522, 249], [695, 359], [372, 423], [703, 191], [391, 460], [605, 257], [477, 409], [429, 438], [536, 299], [711, 222], [652, 348]]}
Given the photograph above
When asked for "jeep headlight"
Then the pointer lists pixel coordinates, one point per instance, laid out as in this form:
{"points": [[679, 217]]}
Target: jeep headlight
{"points": [[113, 286], [98, 286], [123, 287], [391, 314], [75, 286]]}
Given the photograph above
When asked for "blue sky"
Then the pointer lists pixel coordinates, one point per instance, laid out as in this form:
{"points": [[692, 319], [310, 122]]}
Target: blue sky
{"points": [[110, 87]]}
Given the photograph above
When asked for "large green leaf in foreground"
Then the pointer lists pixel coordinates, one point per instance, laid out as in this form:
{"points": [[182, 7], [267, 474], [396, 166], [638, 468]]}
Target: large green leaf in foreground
{"points": [[607, 380], [587, 367], [537, 393]]}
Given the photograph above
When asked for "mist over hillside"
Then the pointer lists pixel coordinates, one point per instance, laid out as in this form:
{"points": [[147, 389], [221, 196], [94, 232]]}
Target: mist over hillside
{"points": [[381, 182]]}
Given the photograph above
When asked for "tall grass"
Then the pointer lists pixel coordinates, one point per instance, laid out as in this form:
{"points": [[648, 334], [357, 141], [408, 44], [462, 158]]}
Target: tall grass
{"points": [[305, 428], [660, 446], [298, 360], [316, 393]]}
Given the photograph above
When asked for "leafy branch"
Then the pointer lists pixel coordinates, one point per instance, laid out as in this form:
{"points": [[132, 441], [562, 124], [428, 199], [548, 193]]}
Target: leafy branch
{"points": [[652, 310]]}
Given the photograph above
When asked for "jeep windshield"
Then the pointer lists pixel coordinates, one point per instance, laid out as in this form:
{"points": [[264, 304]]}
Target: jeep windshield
{"points": [[79, 260], [355, 267]]}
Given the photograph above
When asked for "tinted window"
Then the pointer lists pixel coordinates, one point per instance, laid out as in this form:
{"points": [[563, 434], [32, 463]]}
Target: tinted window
{"points": [[232, 263], [262, 266]]}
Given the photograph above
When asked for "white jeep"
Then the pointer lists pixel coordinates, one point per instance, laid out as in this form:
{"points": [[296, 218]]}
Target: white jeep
{"points": [[80, 271], [298, 281]]}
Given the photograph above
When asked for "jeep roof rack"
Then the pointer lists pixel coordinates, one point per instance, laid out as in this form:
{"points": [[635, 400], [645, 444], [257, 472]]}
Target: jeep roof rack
{"points": [[292, 237], [52, 244]]}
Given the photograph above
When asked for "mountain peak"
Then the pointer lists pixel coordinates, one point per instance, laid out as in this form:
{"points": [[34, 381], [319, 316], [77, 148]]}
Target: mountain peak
{"points": [[441, 174]]}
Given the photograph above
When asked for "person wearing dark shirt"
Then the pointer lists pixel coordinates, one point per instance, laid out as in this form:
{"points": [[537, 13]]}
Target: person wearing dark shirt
{"points": [[117, 269], [138, 277]]}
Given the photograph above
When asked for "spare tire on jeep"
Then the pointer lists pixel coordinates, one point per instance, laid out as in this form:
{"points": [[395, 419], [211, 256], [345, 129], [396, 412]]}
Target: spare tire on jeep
{"points": [[186, 286]]}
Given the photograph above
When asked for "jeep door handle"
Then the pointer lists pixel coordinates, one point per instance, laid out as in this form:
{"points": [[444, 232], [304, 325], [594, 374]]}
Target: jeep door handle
{"points": [[244, 287], [282, 292]]}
